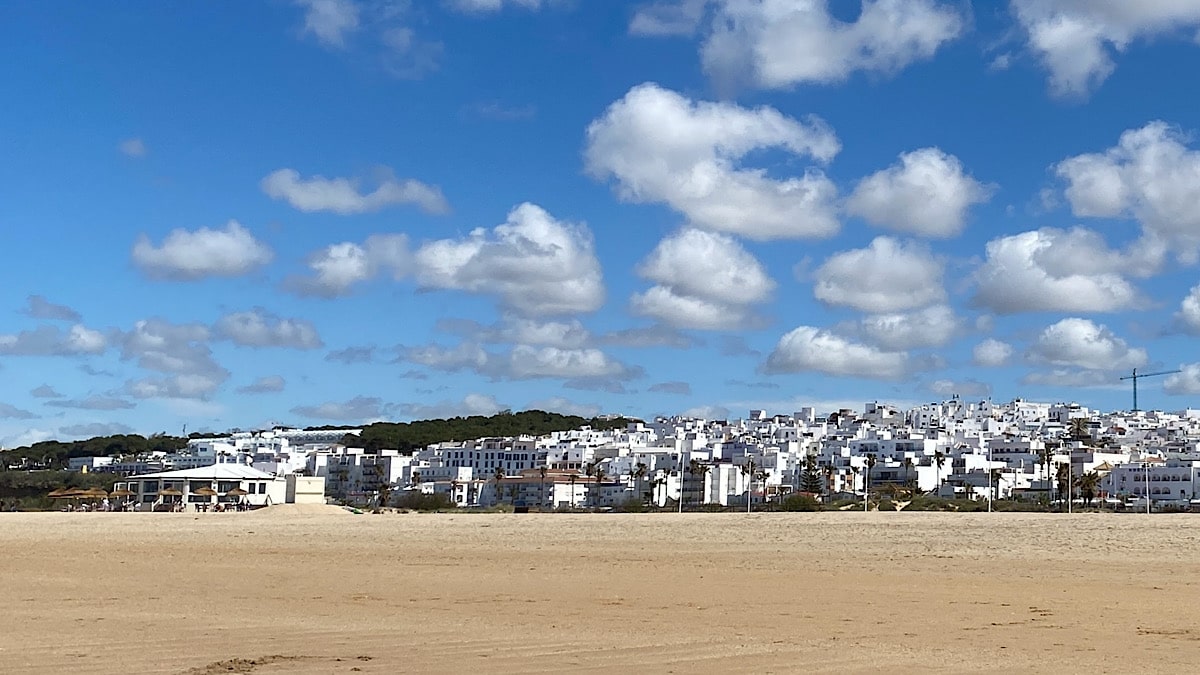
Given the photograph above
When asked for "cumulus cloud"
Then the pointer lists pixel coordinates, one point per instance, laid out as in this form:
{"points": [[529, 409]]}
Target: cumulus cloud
{"points": [[927, 193], [1188, 316], [657, 335], [1186, 382], [681, 388], [45, 391], [489, 6], [777, 44], [358, 409], [264, 385], [330, 21], [8, 411], [991, 353], [1150, 175], [179, 352], [342, 195], [518, 330], [1060, 270], [188, 255], [38, 307], [967, 387], [1075, 39], [132, 147], [79, 340], [94, 429], [930, 327], [260, 328], [1080, 343], [660, 147], [668, 17], [351, 355], [810, 349], [564, 406], [522, 362], [94, 402], [536, 265], [472, 404], [887, 276], [705, 280], [337, 268]]}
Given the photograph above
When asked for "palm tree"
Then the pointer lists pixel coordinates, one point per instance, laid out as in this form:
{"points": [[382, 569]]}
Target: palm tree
{"points": [[939, 460], [1045, 457], [599, 475], [908, 479], [867, 482], [748, 471], [1088, 484], [542, 474], [590, 470], [639, 475], [697, 468], [498, 475], [572, 481], [1079, 430], [1063, 478]]}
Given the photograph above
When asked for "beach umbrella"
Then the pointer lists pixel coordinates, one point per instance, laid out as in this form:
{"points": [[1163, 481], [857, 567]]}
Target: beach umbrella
{"points": [[169, 492], [204, 492], [55, 494], [236, 492], [121, 493], [94, 492]]}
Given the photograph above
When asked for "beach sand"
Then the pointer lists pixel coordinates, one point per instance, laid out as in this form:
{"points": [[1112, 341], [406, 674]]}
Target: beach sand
{"points": [[320, 590]]}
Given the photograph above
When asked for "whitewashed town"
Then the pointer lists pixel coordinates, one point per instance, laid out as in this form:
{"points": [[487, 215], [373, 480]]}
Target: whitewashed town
{"points": [[954, 449]]}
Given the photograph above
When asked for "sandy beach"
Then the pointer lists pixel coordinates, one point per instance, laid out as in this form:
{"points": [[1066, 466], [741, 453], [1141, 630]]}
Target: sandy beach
{"points": [[320, 590]]}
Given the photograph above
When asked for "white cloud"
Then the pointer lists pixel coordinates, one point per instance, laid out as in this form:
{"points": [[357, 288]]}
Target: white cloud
{"points": [[1188, 316], [264, 385], [968, 388], [810, 349], [133, 147], [8, 411], [94, 429], [338, 267], [707, 412], [887, 276], [517, 330], [259, 328], [228, 252], [180, 352], [45, 391], [522, 362], [1150, 175], [472, 404], [1080, 343], [776, 44], [51, 341], [40, 308], [1184, 383], [927, 193], [1071, 377], [535, 264], [991, 353], [680, 388], [358, 409], [661, 147], [1059, 270], [488, 6], [565, 406], [705, 280], [668, 17], [408, 56], [342, 196], [330, 21], [1075, 39], [930, 327], [94, 402]]}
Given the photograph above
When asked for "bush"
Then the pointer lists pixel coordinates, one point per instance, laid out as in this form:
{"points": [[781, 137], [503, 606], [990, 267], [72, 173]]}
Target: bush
{"points": [[632, 505], [411, 499], [799, 503]]}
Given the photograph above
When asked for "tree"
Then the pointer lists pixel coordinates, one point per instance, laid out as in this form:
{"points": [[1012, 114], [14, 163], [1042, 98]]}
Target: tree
{"points": [[1089, 484], [542, 473], [572, 481], [748, 470], [909, 481], [697, 468], [639, 475], [498, 475], [599, 476], [1079, 430], [1063, 478], [589, 470], [810, 476], [939, 460], [1045, 457], [867, 482]]}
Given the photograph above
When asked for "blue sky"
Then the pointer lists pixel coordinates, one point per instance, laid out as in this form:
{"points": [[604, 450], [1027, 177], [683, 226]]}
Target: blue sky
{"points": [[334, 211]]}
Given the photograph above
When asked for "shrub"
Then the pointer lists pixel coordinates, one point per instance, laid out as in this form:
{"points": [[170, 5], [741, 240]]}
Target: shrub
{"points": [[632, 505], [799, 503], [411, 499]]}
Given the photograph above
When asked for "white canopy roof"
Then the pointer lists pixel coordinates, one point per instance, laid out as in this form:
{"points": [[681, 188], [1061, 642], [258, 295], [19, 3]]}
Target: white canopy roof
{"points": [[221, 471]]}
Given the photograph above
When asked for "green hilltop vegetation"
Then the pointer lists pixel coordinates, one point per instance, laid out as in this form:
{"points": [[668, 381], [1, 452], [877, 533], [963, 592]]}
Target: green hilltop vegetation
{"points": [[408, 437], [404, 436]]}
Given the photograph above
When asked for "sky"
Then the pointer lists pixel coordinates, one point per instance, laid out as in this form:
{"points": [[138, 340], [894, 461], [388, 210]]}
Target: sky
{"points": [[233, 214]]}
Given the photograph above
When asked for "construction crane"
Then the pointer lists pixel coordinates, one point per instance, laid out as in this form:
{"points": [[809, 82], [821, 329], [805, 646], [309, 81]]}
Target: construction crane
{"points": [[1137, 376]]}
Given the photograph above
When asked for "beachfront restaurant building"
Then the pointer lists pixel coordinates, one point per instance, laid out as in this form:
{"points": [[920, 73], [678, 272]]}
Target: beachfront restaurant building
{"points": [[227, 483]]}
